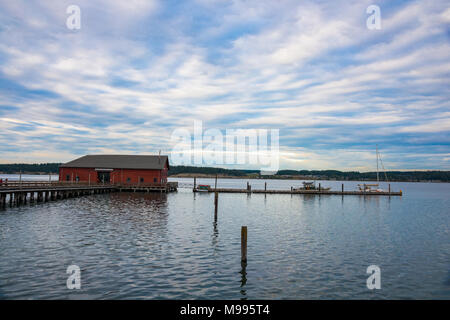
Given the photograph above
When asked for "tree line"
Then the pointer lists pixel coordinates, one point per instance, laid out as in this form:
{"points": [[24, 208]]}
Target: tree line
{"points": [[432, 175]]}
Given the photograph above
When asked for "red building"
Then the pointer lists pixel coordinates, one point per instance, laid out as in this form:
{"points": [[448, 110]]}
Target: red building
{"points": [[124, 169]]}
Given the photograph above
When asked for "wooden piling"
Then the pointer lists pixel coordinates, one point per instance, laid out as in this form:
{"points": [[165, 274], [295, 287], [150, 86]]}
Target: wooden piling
{"points": [[195, 183], [320, 187], [215, 185], [265, 186], [389, 188], [342, 187], [216, 203], [244, 244]]}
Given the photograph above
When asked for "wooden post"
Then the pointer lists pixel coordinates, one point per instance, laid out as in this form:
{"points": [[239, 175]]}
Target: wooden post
{"points": [[215, 185], [265, 186], [216, 203], [342, 187], [244, 244], [319, 187], [389, 188], [20, 179], [195, 183]]}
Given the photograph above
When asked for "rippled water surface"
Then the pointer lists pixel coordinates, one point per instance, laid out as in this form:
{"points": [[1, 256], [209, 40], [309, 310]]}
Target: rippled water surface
{"points": [[158, 246]]}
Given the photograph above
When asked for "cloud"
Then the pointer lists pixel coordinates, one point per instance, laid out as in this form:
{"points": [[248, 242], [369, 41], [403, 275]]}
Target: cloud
{"points": [[138, 70]]}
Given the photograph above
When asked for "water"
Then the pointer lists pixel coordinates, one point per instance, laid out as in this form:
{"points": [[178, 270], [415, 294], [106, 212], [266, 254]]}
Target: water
{"points": [[158, 246]]}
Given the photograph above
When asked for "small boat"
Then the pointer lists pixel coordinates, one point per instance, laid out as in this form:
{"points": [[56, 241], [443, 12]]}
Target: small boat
{"points": [[369, 188], [310, 185], [375, 187], [204, 188]]}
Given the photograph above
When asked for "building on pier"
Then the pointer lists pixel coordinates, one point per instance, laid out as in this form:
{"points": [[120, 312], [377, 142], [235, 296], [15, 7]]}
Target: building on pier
{"points": [[117, 169]]}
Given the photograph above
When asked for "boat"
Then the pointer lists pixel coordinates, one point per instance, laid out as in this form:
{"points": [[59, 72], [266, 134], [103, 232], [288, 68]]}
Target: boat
{"points": [[369, 188], [203, 188], [310, 185], [374, 187]]}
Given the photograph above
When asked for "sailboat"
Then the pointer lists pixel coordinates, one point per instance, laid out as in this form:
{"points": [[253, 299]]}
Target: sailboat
{"points": [[375, 187]]}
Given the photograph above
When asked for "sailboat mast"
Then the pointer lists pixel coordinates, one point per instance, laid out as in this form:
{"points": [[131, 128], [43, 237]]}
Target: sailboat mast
{"points": [[378, 178]]}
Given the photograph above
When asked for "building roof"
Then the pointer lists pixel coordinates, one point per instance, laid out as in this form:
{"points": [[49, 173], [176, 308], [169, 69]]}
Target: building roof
{"points": [[118, 161]]}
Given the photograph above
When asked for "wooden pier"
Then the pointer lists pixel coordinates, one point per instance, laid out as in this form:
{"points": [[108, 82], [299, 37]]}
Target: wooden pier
{"points": [[18, 193]]}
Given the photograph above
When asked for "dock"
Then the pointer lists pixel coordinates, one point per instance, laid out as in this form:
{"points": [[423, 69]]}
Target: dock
{"points": [[18, 193], [316, 191]]}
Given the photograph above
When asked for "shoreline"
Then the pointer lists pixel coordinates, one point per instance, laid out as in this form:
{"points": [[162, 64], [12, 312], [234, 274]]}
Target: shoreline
{"points": [[252, 177]]}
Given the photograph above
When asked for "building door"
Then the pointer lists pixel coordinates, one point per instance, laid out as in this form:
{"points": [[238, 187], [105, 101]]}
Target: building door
{"points": [[103, 176]]}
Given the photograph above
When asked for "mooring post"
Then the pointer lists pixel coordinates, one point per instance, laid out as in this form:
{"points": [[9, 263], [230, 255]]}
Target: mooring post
{"points": [[265, 186], [215, 185], [195, 183], [216, 203], [389, 188], [342, 187], [244, 244], [319, 187]]}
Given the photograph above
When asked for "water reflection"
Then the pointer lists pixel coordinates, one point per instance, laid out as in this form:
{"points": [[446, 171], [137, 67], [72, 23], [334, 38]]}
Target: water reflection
{"points": [[162, 246], [243, 273]]}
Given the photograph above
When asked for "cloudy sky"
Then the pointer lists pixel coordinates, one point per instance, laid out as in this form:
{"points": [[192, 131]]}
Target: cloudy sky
{"points": [[139, 69]]}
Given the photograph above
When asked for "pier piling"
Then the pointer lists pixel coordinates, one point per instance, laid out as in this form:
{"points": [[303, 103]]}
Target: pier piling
{"points": [[244, 244], [216, 203]]}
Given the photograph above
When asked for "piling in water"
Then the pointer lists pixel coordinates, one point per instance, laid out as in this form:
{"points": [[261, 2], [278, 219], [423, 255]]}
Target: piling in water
{"points": [[244, 244], [216, 202]]}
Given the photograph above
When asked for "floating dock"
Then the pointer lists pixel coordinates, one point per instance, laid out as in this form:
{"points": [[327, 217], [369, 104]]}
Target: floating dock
{"points": [[330, 192], [318, 191]]}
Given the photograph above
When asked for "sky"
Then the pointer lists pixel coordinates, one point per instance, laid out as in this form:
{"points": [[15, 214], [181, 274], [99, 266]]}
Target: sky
{"points": [[137, 70]]}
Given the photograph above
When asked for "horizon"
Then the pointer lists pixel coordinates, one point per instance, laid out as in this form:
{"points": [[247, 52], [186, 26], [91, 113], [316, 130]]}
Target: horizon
{"points": [[244, 169], [128, 77]]}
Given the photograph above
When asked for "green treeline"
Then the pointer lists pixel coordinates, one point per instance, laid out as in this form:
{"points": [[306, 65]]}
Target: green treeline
{"points": [[437, 176], [35, 168]]}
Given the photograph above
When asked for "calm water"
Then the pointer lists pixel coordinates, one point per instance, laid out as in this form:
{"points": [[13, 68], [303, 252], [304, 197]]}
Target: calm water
{"points": [[157, 246]]}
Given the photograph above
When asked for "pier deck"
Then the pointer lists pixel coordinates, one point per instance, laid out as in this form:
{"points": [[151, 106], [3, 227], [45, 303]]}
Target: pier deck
{"points": [[324, 192], [17, 193]]}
